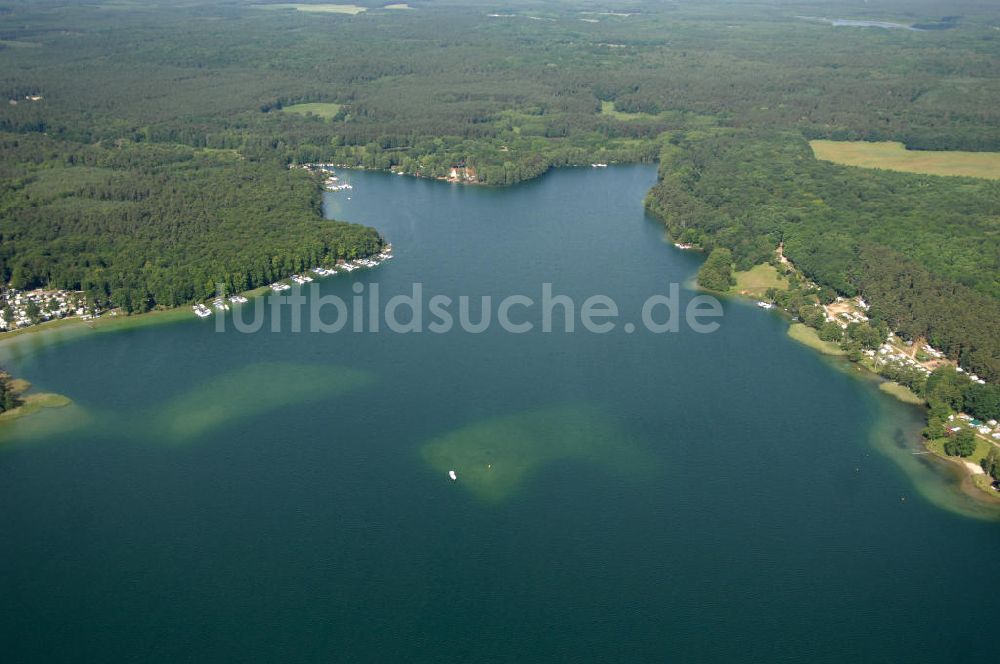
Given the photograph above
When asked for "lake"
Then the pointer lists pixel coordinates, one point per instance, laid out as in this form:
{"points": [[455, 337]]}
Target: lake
{"points": [[284, 496], [855, 23]]}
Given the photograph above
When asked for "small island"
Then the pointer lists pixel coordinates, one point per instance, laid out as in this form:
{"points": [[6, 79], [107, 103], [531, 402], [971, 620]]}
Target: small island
{"points": [[15, 403]]}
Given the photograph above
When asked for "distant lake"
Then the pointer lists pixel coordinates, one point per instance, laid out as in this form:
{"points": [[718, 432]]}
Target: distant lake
{"points": [[854, 23], [640, 497]]}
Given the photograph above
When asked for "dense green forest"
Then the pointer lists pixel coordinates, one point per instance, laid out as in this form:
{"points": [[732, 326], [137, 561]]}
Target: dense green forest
{"points": [[145, 143], [752, 190], [141, 225], [446, 82], [924, 250]]}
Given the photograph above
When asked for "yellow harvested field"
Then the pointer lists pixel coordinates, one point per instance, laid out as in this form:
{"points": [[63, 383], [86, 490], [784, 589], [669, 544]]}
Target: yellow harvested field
{"points": [[893, 156], [318, 9]]}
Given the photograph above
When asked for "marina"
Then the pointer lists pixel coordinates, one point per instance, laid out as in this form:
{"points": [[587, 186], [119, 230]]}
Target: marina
{"points": [[332, 184], [220, 304], [332, 181]]}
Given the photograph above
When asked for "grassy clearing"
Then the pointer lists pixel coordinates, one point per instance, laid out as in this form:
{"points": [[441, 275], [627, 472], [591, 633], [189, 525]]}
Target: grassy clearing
{"points": [[985, 483], [48, 184], [901, 392], [895, 157], [323, 110], [982, 449], [608, 108], [808, 336], [318, 9], [981, 481], [758, 279]]}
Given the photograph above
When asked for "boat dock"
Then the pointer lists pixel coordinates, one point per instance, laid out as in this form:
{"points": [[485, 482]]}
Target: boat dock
{"points": [[219, 303]]}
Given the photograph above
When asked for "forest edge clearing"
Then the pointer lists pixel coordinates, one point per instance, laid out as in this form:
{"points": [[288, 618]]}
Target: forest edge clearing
{"points": [[894, 156]]}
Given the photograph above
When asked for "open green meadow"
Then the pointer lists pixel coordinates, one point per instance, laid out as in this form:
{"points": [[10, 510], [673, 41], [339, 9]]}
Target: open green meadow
{"points": [[608, 108], [323, 110], [757, 280]]}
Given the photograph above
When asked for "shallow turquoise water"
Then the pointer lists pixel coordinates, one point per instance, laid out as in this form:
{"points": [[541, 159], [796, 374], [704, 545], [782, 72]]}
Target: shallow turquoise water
{"points": [[271, 496]]}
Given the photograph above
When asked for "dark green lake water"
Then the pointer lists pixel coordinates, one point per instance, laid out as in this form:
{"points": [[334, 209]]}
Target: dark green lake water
{"points": [[282, 497]]}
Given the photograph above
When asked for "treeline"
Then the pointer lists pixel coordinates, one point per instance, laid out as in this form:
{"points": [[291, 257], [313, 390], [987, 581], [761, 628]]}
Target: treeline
{"points": [[408, 79], [9, 398], [948, 392], [962, 323], [495, 162], [140, 226], [991, 464], [924, 251], [716, 273]]}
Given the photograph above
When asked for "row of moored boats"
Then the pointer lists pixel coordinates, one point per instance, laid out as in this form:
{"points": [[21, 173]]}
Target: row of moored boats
{"points": [[347, 266], [219, 303], [333, 183], [202, 311]]}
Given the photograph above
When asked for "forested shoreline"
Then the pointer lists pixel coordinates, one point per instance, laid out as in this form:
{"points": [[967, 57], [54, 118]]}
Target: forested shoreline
{"points": [[147, 163], [137, 226], [923, 250]]}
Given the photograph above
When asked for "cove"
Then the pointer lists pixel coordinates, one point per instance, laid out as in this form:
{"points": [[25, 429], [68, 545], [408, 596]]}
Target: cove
{"points": [[284, 496]]}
